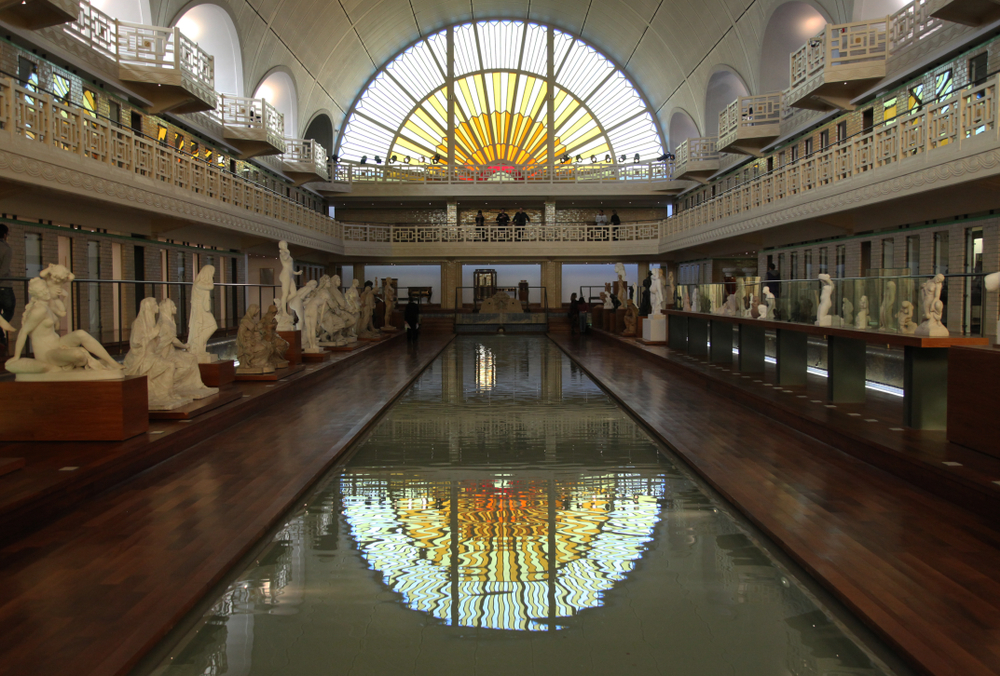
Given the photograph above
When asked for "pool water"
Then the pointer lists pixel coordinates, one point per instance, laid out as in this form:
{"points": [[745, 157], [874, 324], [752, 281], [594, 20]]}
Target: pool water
{"points": [[507, 517]]}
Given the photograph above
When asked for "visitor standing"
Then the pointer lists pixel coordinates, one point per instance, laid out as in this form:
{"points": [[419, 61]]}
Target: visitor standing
{"points": [[582, 309], [574, 313], [520, 218], [480, 226], [502, 220], [7, 300], [615, 222], [411, 316], [773, 276], [600, 221]]}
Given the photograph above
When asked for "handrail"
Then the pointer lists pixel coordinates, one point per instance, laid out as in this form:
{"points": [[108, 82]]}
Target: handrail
{"points": [[599, 172], [459, 300], [464, 233]]}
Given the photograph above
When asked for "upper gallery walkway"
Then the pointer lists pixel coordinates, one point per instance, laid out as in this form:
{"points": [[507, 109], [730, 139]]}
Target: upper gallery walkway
{"points": [[917, 569]]}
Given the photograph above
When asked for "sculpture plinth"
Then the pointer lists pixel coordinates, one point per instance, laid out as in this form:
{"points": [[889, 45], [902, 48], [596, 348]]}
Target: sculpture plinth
{"points": [[597, 316], [198, 406], [654, 330], [294, 339], [218, 373], [277, 374], [315, 357], [103, 410]]}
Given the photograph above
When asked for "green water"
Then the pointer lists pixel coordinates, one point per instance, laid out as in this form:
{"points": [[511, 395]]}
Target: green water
{"points": [[506, 517]]}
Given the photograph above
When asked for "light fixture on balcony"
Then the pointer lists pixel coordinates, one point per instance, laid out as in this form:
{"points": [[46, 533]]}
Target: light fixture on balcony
{"points": [[565, 159], [579, 159], [364, 159], [437, 158], [622, 159], [593, 158], [607, 158], [392, 159], [406, 159], [378, 160], [664, 157], [636, 158]]}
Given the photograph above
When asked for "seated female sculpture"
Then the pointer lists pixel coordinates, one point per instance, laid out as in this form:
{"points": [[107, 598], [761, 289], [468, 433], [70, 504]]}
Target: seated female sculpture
{"points": [[187, 374], [75, 356], [144, 359]]}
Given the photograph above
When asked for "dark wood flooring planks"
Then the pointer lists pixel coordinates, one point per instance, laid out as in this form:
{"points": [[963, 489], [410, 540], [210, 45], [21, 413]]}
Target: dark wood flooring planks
{"points": [[90, 593], [921, 571]]}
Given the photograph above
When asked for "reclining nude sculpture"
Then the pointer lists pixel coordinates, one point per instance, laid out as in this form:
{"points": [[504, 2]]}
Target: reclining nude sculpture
{"points": [[75, 356]]}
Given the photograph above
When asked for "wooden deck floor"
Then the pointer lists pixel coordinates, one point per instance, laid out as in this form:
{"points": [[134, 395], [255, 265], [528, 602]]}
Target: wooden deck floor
{"points": [[92, 592], [919, 570]]}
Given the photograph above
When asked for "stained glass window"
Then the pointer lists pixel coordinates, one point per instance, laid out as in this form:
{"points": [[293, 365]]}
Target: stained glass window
{"points": [[503, 86]]}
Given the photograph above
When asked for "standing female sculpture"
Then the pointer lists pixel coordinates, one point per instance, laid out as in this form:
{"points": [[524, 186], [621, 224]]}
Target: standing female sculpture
{"points": [[287, 280], [202, 324]]}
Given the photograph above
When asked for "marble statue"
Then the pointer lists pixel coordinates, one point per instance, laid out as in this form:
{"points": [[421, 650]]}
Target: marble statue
{"points": [[755, 306], [766, 309], [606, 298], [335, 318], [905, 318], [687, 300], [885, 307], [365, 328], [187, 375], [279, 346], [631, 319], [823, 317], [695, 299], [201, 321], [317, 303], [861, 318], [622, 285], [252, 350], [992, 283], [933, 308], [658, 299], [645, 302], [287, 280], [501, 302], [847, 312], [144, 359], [389, 298], [352, 300], [296, 303], [75, 356], [57, 278], [728, 308], [670, 290]]}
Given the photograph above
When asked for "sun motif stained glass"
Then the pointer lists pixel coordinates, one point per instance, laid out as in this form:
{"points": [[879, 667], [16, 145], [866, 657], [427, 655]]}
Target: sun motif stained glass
{"points": [[503, 88]]}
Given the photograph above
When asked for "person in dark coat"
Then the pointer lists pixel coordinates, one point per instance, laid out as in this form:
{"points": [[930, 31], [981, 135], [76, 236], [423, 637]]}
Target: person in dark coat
{"points": [[480, 226], [574, 313], [520, 219], [411, 316]]}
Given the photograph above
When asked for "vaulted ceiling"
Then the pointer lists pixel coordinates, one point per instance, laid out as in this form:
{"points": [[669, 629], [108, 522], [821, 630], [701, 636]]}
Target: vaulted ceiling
{"points": [[670, 48]]}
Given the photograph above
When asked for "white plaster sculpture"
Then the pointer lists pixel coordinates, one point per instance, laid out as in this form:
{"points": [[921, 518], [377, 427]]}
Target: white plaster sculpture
{"points": [[201, 323], [861, 318], [847, 312], [143, 359], [389, 298], [252, 350], [933, 309], [992, 283], [823, 317], [687, 300], [286, 322], [658, 293], [755, 306], [695, 299], [669, 292], [606, 301], [336, 320], [296, 303], [353, 307], [269, 329], [728, 308], [905, 317], [766, 309], [885, 316], [57, 277], [187, 375], [75, 356], [622, 285], [314, 305], [365, 329]]}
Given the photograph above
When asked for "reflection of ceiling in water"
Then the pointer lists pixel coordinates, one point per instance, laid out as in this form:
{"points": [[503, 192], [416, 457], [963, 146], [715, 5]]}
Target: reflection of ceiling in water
{"points": [[478, 552]]}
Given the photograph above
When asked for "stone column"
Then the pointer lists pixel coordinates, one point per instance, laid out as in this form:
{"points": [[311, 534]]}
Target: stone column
{"points": [[549, 217], [552, 281], [451, 278]]}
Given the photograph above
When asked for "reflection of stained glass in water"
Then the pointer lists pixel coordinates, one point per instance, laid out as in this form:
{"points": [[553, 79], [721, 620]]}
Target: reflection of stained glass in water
{"points": [[478, 553], [486, 369]]}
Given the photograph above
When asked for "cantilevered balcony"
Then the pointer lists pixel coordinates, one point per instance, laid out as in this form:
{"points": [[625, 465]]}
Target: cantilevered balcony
{"points": [[253, 126], [837, 65], [696, 159], [166, 68], [749, 123], [966, 12], [36, 14], [304, 160]]}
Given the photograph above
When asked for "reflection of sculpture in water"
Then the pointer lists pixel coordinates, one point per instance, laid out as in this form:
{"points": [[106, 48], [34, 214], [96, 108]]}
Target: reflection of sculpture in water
{"points": [[905, 317], [70, 357], [202, 324], [143, 359], [187, 375], [823, 317], [885, 307], [631, 319], [847, 312], [861, 319], [930, 300], [287, 280], [252, 350]]}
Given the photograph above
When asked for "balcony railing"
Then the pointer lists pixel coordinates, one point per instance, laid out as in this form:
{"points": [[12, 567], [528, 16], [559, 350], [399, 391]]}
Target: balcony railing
{"points": [[494, 234], [967, 115], [697, 158], [304, 160], [351, 173], [42, 118], [749, 123]]}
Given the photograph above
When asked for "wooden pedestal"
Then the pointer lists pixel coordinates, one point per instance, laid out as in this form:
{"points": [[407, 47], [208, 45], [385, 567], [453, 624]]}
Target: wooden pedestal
{"points": [[597, 316], [8, 465], [104, 410], [315, 357], [218, 373], [198, 406], [350, 347], [279, 374], [619, 326], [294, 339], [973, 374]]}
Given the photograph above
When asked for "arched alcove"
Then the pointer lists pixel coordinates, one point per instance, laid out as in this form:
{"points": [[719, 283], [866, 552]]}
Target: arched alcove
{"points": [[213, 29], [789, 27], [132, 11], [278, 89], [320, 129], [723, 88], [682, 127]]}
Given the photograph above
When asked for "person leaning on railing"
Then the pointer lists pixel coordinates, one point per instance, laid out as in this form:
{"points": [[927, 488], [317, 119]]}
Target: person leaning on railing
{"points": [[7, 300], [480, 226], [520, 219]]}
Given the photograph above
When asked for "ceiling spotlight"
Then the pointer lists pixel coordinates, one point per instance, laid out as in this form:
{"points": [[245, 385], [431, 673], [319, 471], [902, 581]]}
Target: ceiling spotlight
{"points": [[607, 158], [364, 159], [566, 158], [663, 158], [579, 159], [636, 158], [378, 160], [407, 159], [593, 158], [437, 158], [335, 158], [622, 158]]}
